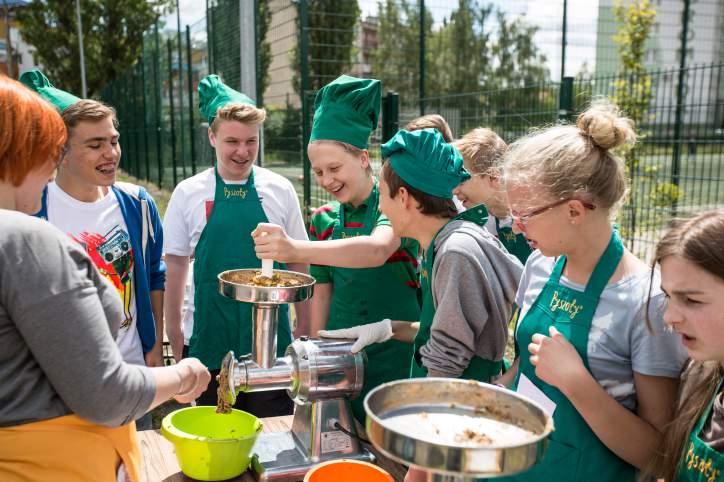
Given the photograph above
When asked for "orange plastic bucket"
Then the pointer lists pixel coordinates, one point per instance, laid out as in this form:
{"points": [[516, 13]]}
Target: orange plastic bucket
{"points": [[346, 470]]}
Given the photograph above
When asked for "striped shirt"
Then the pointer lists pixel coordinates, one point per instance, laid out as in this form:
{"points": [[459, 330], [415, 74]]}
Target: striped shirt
{"points": [[322, 225]]}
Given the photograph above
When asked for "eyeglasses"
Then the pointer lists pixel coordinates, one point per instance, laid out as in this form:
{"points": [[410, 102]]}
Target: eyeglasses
{"points": [[525, 218]]}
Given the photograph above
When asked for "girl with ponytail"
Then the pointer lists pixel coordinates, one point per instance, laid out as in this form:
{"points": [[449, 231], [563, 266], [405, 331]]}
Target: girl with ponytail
{"points": [[582, 338]]}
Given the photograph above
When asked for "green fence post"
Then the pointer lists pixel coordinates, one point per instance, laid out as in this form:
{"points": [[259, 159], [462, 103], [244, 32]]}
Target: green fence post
{"points": [[182, 143], [209, 49], [211, 39], [565, 99], [306, 128], [134, 119], [147, 156], [676, 161], [190, 82], [564, 34], [422, 57], [158, 92], [390, 115], [171, 110]]}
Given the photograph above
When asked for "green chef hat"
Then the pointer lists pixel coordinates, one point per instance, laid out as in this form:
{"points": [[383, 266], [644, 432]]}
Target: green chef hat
{"points": [[347, 110], [37, 81], [425, 161], [214, 94]]}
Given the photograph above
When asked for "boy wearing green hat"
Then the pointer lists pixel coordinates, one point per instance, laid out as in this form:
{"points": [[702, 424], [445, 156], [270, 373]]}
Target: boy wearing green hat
{"points": [[468, 278], [210, 217], [364, 271], [122, 232]]}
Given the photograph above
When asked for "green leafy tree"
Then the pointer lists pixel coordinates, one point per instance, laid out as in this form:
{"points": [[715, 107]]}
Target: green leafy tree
{"points": [[633, 94], [632, 91], [331, 36], [463, 55], [112, 38], [396, 62], [462, 50]]}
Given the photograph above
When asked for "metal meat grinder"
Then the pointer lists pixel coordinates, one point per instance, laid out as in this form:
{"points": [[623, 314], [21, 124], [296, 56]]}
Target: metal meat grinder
{"points": [[320, 376]]}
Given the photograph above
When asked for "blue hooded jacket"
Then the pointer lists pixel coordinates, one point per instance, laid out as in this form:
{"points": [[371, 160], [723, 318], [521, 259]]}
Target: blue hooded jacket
{"points": [[146, 232]]}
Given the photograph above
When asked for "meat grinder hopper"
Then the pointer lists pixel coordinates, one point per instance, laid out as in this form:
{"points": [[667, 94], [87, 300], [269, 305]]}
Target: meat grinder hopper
{"points": [[320, 376]]}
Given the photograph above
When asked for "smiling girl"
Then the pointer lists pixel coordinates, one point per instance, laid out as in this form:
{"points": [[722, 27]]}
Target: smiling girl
{"points": [[365, 273]]}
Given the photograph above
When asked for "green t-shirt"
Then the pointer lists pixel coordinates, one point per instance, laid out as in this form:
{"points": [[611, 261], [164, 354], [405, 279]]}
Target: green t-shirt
{"points": [[322, 224]]}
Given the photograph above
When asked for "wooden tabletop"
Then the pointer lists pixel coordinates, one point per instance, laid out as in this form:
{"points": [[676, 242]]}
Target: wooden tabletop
{"points": [[159, 462]]}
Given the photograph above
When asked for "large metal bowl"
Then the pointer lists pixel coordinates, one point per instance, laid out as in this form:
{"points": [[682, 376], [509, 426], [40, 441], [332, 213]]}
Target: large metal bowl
{"points": [[237, 285], [462, 397]]}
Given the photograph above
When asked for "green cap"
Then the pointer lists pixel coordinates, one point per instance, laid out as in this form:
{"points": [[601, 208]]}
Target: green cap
{"points": [[214, 94], [347, 110], [38, 82], [425, 161]]}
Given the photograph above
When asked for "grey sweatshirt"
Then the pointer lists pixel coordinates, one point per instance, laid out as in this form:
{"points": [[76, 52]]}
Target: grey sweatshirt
{"points": [[58, 320], [474, 281]]}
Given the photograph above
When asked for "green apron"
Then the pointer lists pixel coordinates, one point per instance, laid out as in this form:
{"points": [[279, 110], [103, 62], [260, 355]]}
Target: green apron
{"points": [[478, 369], [222, 324], [367, 295], [574, 452], [701, 463], [516, 244]]}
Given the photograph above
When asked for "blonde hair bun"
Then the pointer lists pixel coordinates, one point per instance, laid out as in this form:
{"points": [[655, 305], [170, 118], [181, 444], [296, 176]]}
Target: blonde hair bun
{"points": [[604, 125]]}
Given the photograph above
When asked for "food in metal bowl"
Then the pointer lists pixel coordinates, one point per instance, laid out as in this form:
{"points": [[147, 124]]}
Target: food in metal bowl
{"points": [[458, 429], [276, 280], [282, 279]]}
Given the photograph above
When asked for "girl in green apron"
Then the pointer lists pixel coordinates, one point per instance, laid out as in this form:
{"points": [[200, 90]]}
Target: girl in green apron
{"points": [[482, 151], [364, 272], [692, 275], [584, 350], [468, 279]]}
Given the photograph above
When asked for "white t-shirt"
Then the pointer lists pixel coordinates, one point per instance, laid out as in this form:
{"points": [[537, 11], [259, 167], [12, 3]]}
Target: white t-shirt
{"points": [[100, 228], [619, 342], [193, 199], [191, 203]]}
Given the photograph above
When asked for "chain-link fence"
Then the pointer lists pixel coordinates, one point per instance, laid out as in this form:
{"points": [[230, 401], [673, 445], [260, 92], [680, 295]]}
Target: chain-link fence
{"points": [[477, 63]]}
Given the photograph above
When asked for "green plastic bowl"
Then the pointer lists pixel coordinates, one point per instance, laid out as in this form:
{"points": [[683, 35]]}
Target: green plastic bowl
{"points": [[210, 445]]}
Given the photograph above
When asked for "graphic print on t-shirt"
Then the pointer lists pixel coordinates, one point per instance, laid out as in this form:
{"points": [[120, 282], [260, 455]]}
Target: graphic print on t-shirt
{"points": [[113, 256]]}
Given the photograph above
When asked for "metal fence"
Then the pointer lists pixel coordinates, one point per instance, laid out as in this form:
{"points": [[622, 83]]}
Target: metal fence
{"points": [[494, 64]]}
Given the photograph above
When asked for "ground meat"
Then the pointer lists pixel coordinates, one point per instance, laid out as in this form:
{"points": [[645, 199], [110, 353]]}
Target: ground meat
{"points": [[275, 281], [222, 405]]}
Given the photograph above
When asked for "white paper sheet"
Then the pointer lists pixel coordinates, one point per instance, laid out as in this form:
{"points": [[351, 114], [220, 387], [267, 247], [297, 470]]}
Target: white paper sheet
{"points": [[528, 389]]}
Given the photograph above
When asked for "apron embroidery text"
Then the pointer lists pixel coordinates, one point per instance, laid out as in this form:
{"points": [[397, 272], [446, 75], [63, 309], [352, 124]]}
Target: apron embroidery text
{"points": [[229, 193], [704, 467], [570, 307]]}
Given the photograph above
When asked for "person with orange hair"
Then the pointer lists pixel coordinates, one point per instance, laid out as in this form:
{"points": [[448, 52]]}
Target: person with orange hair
{"points": [[68, 398]]}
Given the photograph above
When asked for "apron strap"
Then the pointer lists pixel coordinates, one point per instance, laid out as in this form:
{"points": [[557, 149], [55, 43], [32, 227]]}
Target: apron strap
{"points": [[603, 271], [606, 266], [370, 216], [221, 184]]}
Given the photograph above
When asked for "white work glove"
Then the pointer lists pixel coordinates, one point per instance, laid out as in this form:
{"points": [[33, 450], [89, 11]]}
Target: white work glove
{"points": [[363, 335]]}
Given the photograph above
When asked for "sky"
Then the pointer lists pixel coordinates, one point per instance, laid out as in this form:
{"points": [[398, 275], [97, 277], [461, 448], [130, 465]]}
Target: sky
{"points": [[546, 14]]}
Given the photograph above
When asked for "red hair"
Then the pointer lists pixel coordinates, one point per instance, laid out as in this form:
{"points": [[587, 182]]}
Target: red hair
{"points": [[33, 132]]}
